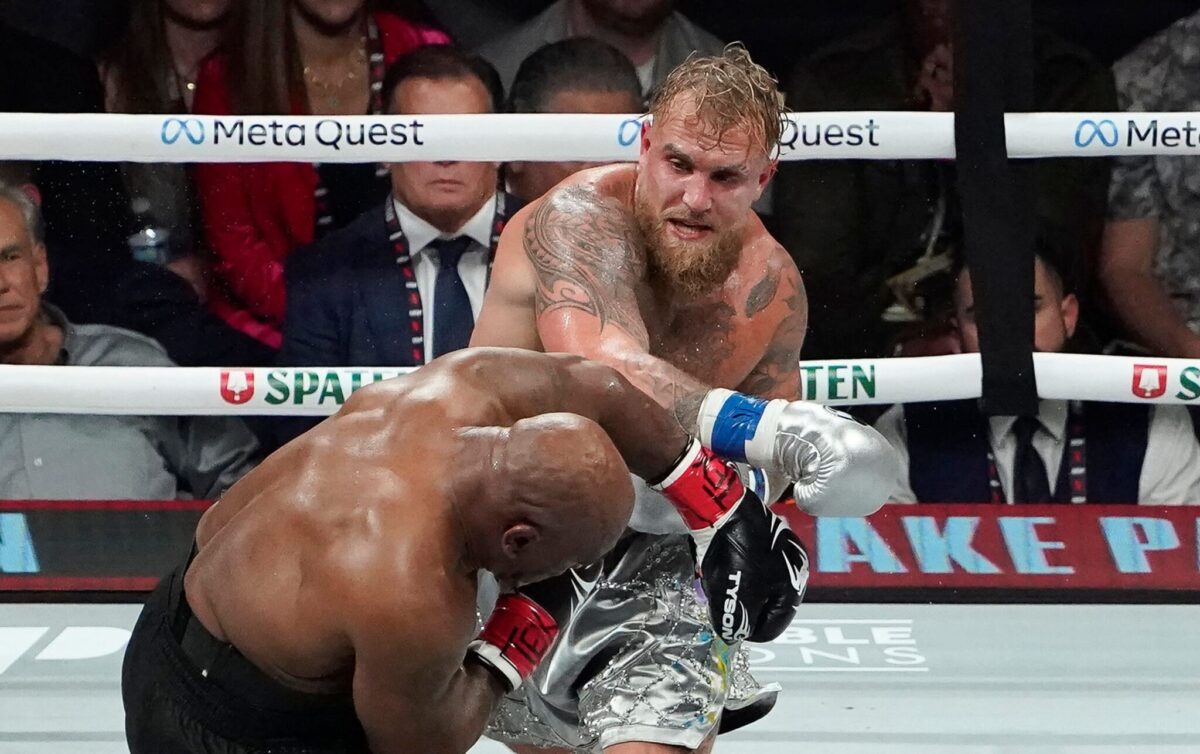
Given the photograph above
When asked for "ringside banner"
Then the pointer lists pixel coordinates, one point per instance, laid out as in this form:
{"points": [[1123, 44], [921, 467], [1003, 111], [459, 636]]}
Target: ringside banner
{"points": [[127, 545], [400, 138], [1006, 546], [320, 391], [868, 135]]}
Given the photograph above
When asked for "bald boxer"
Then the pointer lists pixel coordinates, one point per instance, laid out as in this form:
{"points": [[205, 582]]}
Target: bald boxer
{"points": [[662, 270], [330, 602]]}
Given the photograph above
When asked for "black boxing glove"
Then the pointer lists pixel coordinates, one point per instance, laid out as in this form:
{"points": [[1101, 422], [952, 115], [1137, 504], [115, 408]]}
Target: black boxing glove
{"points": [[753, 568]]}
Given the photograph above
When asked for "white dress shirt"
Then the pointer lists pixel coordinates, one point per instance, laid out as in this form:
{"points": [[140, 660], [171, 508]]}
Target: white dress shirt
{"points": [[472, 266], [1170, 470]]}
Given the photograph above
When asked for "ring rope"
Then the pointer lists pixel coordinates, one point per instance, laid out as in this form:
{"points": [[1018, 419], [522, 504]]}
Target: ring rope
{"points": [[319, 391], [875, 135]]}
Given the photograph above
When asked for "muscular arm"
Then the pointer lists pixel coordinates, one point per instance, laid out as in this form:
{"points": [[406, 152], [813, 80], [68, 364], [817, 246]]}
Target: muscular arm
{"points": [[777, 374], [416, 693], [646, 435], [589, 263], [403, 713], [1138, 299]]}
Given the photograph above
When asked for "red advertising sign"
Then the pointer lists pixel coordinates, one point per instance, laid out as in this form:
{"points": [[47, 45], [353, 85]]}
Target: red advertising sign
{"points": [[127, 545], [1005, 546]]}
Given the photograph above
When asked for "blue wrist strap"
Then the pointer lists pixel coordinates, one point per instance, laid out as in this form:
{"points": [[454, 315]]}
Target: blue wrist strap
{"points": [[735, 425]]}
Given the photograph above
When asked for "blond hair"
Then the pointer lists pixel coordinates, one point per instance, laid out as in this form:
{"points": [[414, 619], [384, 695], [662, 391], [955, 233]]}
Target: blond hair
{"points": [[723, 92]]}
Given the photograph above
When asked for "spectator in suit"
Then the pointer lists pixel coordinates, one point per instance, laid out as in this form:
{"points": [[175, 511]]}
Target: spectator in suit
{"points": [[651, 33], [1094, 452], [577, 75], [94, 457], [871, 236], [290, 57], [404, 282]]}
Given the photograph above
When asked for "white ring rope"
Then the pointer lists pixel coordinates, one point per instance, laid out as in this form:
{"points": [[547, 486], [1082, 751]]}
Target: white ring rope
{"points": [[812, 135], [319, 391], [873, 135]]}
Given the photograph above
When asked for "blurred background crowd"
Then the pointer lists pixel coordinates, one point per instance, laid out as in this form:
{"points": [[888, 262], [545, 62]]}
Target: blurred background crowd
{"points": [[385, 265]]}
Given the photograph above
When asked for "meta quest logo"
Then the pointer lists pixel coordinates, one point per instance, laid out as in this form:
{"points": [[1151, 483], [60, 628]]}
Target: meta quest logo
{"points": [[328, 132], [1105, 132], [191, 129]]}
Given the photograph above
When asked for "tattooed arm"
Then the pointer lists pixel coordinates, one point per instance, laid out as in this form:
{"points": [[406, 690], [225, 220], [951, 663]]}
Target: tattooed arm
{"points": [[777, 374], [588, 264]]}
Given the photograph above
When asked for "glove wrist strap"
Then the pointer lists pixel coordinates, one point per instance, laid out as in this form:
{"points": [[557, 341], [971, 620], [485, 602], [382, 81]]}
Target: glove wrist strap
{"points": [[491, 656], [516, 638], [740, 427], [704, 488]]}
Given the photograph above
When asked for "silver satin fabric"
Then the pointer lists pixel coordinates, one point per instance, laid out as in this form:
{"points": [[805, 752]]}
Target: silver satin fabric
{"points": [[653, 513], [637, 660]]}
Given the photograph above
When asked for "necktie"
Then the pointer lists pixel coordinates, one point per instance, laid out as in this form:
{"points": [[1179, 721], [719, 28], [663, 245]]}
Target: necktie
{"points": [[1030, 484], [452, 318]]}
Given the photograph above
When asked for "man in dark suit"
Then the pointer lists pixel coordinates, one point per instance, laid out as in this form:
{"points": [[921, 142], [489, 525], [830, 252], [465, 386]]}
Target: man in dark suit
{"points": [[1071, 452], [403, 283]]}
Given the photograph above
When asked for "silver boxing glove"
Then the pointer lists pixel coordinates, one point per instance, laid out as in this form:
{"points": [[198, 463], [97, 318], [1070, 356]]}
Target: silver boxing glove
{"points": [[840, 466]]}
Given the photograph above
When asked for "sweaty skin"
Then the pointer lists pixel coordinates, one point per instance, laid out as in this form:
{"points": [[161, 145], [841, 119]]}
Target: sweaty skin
{"points": [[571, 275], [340, 563]]}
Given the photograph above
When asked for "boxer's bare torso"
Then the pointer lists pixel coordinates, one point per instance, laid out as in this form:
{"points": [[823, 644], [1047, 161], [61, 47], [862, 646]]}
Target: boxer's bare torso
{"points": [[575, 255], [353, 534], [352, 513]]}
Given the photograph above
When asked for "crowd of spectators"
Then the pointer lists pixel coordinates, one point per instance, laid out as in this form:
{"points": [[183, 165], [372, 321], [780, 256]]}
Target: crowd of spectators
{"points": [[302, 264]]}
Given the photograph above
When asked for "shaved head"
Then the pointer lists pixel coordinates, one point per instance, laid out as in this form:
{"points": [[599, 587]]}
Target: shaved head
{"points": [[568, 483]]}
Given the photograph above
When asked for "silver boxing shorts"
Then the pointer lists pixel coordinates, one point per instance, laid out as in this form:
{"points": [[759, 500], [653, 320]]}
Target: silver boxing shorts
{"points": [[636, 659]]}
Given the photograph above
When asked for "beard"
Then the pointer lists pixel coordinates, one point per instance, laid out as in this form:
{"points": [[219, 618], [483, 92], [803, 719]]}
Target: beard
{"points": [[690, 268]]}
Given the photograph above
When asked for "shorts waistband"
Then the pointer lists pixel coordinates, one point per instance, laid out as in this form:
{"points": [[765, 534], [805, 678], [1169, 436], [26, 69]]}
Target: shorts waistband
{"points": [[220, 663]]}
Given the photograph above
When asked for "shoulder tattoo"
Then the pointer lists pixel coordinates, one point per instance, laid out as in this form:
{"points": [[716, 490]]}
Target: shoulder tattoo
{"points": [[587, 255]]}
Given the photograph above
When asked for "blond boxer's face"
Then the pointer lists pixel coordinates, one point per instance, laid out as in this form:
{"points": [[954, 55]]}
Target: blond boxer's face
{"points": [[24, 275], [693, 197]]}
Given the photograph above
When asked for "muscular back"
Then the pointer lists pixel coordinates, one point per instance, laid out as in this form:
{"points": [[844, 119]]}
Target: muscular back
{"points": [[575, 254], [354, 508]]}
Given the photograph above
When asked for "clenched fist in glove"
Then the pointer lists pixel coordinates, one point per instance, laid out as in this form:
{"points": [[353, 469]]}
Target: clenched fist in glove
{"points": [[840, 467], [752, 566], [517, 636]]}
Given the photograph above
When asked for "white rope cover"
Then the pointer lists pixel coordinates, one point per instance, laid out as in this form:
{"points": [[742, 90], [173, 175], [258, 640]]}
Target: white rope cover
{"points": [[867, 135], [320, 391]]}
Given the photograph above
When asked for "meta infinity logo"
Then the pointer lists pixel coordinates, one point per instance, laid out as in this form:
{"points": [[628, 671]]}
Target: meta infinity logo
{"points": [[1089, 130], [173, 128], [628, 131]]}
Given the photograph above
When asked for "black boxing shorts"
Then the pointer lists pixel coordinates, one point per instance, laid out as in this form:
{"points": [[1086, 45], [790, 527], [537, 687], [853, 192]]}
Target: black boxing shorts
{"points": [[186, 691]]}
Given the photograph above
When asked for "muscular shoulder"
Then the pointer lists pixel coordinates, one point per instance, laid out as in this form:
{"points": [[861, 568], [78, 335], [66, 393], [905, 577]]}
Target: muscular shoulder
{"points": [[769, 281], [607, 190]]}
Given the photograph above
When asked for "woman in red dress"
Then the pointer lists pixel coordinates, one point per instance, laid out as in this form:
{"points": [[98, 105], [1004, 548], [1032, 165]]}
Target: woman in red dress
{"points": [[290, 57]]}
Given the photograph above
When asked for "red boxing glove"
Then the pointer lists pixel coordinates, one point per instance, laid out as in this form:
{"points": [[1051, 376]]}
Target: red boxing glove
{"points": [[704, 488], [516, 638]]}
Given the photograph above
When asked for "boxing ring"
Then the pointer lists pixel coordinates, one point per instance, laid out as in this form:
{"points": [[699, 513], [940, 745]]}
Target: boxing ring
{"points": [[855, 677]]}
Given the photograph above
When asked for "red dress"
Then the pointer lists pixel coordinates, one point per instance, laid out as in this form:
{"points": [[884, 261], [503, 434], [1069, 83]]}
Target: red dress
{"points": [[255, 214]]}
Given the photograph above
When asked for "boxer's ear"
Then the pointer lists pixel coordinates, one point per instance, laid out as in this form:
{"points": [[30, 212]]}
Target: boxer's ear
{"points": [[517, 539]]}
